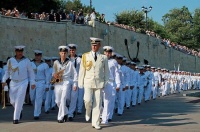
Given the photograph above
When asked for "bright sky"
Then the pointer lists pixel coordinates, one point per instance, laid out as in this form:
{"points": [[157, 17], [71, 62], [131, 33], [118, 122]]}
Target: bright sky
{"points": [[160, 7]]}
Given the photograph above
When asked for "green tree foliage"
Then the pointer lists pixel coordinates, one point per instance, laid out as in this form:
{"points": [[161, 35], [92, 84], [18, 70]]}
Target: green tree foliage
{"points": [[179, 25], [132, 18], [31, 5], [196, 28]]}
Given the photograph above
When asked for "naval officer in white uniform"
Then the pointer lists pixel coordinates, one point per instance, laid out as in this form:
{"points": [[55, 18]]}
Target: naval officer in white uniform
{"points": [[93, 76]]}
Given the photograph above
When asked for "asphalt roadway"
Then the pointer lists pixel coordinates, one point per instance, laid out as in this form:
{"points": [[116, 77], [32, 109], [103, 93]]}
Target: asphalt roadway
{"points": [[173, 113]]}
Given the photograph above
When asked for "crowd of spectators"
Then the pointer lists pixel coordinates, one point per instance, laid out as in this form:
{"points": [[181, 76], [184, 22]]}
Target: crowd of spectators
{"points": [[89, 19]]}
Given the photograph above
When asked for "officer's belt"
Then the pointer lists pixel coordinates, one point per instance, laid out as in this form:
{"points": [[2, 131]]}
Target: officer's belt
{"points": [[16, 81], [37, 80]]}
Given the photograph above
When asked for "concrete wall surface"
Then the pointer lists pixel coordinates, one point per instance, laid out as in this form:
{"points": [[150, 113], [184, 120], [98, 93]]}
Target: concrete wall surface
{"points": [[47, 36]]}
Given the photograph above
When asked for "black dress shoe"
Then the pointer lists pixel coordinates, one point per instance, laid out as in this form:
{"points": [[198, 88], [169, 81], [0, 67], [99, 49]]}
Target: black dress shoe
{"points": [[127, 107], [21, 115], [74, 114], [78, 113], [70, 119], [138, 103], [47, 112], [15, 121], [53, 108], [116, 110], [133, 105], [119, 114], [109, 120], [65, 118], [60, 121], [36, 118]]}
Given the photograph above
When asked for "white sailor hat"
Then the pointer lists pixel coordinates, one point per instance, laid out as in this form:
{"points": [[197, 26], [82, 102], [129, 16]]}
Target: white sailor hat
{"points": [[54, 58], [144, 66], [19, 48], [141, 68], [95, 41], [158, 68], [133, 63], [38, 52], [148, 66], [47, 58], [128, 62], [63, 48], [108, 48], [124, 59], [153, 68], [72, 46], [119, 56]]}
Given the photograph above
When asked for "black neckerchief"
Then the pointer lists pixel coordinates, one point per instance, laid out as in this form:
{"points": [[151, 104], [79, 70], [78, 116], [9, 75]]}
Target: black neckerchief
{"points": [[75, 60], [23, 57], [66, 60]]}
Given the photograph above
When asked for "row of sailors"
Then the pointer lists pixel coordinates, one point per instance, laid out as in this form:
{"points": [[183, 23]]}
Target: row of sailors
{"points": [[127, 85]]}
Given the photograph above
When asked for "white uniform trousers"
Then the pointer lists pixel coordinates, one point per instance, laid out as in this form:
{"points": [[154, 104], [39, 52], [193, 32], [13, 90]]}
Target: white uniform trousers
{"points": [[173, 87], [141, 92], [149, 90], [128, 97], [80, 100], [168, 88], [195, 86], [134, 95], [61, 91], [72, 100], [17, 95], [146, 92], [155, 89], [47, 101], [109, 101], [120, 100], [184, 86], [93, 102], [36, 96], [50, 99], [177, 86]]}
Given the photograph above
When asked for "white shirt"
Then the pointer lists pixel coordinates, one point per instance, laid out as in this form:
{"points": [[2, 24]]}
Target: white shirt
{"points": [[41, 72], [141, 80], [93, 16], [19, 70], [114, 72], [78, 62]]}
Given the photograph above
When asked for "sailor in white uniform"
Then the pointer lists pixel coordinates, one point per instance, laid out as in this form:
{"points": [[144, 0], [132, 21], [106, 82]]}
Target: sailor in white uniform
{"points": [[141, 84], [63, 71], [77, 94], [40, 69], [113, 85], [20, 72]]}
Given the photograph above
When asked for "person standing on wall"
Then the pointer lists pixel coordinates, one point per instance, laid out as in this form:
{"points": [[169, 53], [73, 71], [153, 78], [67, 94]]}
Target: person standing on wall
{"points": [[93, 76]]}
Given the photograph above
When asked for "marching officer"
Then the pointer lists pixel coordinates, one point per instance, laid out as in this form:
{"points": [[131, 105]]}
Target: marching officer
{"points": [[93, 76], [20, 72], [63, 71], [40, 69]]}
